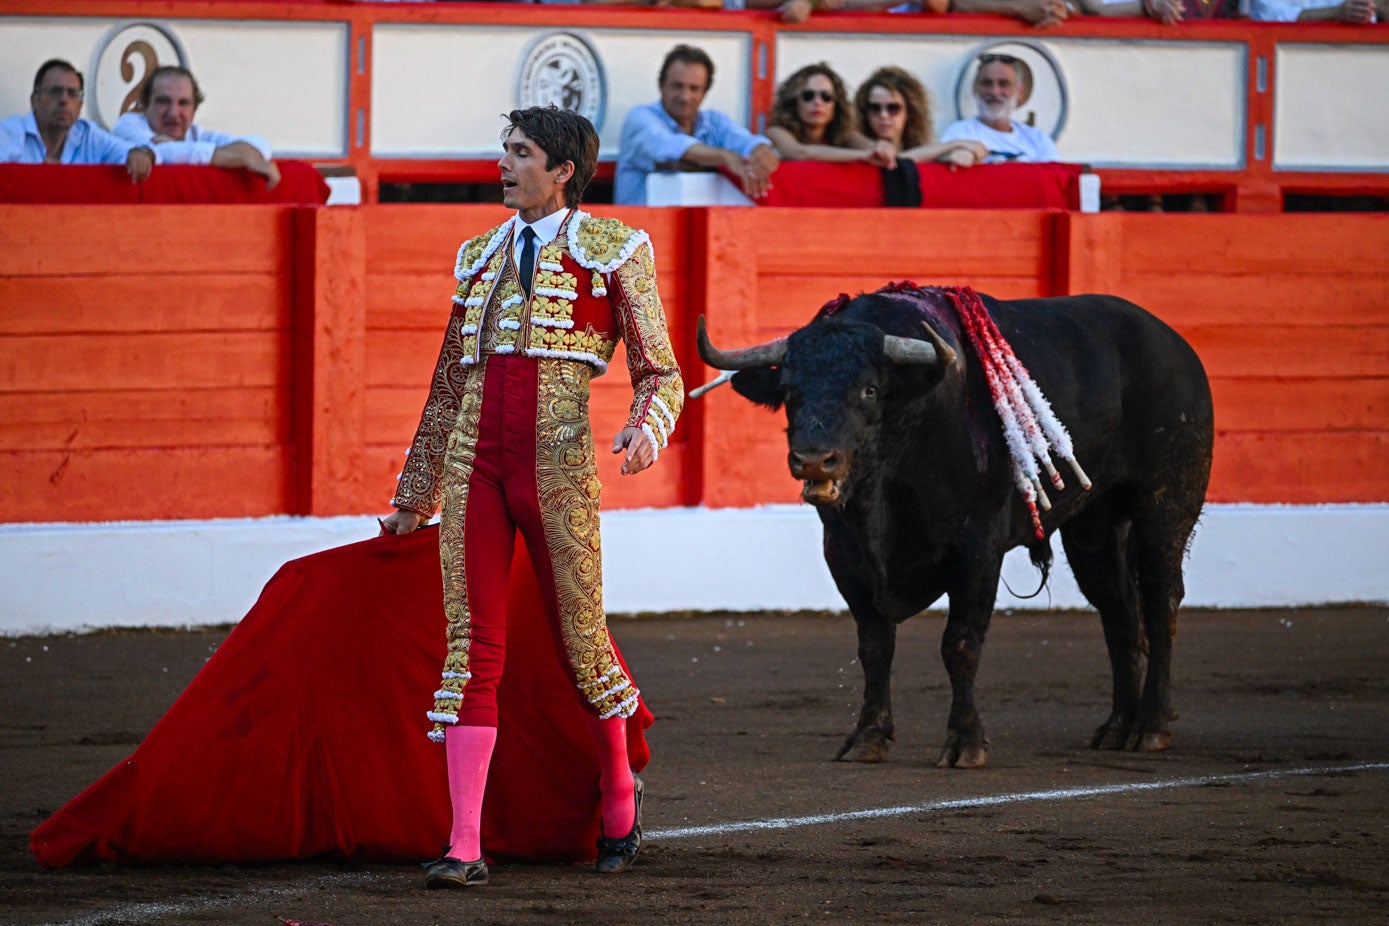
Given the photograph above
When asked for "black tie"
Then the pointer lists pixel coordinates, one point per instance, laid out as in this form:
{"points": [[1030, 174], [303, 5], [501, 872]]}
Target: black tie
{"points": [[527, 258]]}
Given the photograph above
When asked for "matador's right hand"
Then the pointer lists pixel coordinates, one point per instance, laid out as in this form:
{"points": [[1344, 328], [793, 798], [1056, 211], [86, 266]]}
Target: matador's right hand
{"points": [[401, 521]]}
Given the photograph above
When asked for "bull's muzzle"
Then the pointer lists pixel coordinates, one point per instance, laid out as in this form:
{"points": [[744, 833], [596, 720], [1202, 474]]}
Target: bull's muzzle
{"points": [[823, 473]]}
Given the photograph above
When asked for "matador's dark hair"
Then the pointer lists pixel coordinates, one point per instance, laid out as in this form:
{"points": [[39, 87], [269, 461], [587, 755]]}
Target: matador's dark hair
{"points": [[563, 135]]}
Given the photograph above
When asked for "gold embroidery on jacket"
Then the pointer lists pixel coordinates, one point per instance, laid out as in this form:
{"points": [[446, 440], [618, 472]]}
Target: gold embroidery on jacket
{"points": [[658, 390], [604, 240], [459, 460], [566, 474], [569, 492], [418, 486]]}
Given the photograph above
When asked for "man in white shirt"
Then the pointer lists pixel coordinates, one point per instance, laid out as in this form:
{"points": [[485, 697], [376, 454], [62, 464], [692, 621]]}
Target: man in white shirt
{"points": [[52, 132], [674, 132], [1356, 12], [997, 84], [169, 98]]}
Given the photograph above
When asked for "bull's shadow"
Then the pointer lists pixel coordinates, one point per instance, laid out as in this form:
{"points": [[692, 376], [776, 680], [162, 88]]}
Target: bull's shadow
{"points": [[924, 452]]}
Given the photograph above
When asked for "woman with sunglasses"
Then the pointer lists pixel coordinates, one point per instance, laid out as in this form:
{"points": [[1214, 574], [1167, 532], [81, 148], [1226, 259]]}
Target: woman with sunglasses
{"points": [[893, 106], [812, 121]]}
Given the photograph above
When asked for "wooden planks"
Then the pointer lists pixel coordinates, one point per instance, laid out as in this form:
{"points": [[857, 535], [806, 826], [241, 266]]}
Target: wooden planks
{"points": [[145, 361], [1290, 315], [257, 360]]}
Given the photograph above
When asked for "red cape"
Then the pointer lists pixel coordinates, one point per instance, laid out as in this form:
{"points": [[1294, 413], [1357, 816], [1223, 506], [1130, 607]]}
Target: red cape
{"points": [[305, 734]]}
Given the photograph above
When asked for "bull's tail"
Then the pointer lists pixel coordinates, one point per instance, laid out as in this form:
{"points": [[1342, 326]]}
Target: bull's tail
{"points": [[1039, 551]]}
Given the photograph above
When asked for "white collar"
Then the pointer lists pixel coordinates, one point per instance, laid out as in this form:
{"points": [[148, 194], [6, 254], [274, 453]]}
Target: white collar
{"points": [[545, 229]]}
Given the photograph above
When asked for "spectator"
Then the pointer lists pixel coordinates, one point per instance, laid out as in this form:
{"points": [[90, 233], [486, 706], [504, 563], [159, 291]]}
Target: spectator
{"points": [[812, 120], [893, 106], [1040, 13], [798, 11], [52, 133], [675, 134], [997, 85], [1168, 12], [1358, 12], [169, 98]]}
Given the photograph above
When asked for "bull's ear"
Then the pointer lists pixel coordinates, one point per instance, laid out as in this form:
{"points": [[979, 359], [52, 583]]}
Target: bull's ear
{"points": [[761, 385]]}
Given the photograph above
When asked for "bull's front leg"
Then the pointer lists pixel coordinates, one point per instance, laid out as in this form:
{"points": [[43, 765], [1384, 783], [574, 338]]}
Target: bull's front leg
{"points": [[877, 641], [961, 646]]}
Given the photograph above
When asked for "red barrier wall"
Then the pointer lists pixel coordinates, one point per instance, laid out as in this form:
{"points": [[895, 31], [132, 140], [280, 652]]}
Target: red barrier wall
{"points": [[167, 362]]}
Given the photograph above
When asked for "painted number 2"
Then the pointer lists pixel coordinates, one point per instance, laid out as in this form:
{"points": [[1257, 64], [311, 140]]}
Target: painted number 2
{"points": [[149, 61]]}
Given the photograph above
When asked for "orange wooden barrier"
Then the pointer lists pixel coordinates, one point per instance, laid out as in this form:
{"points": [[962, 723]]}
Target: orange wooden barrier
{"points": [[145, 362], [1291, 317], [177, 362]]}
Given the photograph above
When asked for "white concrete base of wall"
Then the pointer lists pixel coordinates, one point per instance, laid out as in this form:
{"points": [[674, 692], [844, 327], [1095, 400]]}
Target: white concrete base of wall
{"points": [[73, 577]]}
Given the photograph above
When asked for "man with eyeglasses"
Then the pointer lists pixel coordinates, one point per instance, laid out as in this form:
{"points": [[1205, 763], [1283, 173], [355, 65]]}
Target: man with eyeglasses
{"points": [[163, 117], [52, 132], [997, 88], [673, 133]]}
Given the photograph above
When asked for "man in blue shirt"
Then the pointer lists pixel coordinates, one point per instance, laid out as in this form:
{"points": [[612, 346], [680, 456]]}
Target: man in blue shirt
{"points": [[674, 134], [52, 133]]}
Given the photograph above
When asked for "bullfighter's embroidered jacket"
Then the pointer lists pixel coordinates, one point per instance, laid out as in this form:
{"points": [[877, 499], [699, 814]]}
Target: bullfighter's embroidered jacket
{"points": [[595, 284]]}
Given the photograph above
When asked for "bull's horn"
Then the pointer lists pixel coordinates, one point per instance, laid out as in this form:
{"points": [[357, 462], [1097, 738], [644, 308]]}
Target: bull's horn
{"points": [[760, 355], [944, 351], [910, 351]]}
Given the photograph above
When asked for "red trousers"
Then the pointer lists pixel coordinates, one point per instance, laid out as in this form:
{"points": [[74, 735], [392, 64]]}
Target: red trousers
{"points": [[502, 498]]}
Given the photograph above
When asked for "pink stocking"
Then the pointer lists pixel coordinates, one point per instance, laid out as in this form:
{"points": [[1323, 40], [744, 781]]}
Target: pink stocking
{"points": [[469, 752], [619, 809]]}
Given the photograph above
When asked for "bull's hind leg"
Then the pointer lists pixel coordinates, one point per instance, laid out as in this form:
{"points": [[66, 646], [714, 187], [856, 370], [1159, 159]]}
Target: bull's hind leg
{"points": [[1097, 544], [1161, 533], [962, 644]]}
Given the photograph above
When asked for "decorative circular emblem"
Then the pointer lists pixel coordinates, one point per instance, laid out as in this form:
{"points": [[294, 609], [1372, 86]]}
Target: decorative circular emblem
{"points": [[561, 68], [1042, 101], [120, 63]]}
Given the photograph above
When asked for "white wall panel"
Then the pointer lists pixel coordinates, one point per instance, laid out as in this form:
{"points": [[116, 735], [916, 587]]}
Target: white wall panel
{"points": [[1328, 114], [438, 90]]}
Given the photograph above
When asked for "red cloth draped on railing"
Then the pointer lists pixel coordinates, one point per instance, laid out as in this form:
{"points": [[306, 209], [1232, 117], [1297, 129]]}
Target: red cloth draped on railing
{"points": [[990, 186], [305, 734], [300, 184]]}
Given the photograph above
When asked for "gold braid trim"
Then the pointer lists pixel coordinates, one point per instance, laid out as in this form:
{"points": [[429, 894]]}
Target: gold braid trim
{"points": [[459, 460], [418, 486], [569, 492], [658, 391]]}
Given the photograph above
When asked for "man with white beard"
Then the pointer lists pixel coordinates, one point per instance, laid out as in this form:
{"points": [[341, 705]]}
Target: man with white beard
{"points": [[997, 85]]}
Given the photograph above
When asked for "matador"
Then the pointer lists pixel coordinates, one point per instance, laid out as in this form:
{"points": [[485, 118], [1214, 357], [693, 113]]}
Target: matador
{"points": [[505, 443]]}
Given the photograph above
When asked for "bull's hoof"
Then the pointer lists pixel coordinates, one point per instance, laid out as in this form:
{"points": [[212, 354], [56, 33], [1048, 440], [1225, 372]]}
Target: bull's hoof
{"points": [[1132, 736], [1153, 742], [867, 745], [963, 755], [1111, 735]]}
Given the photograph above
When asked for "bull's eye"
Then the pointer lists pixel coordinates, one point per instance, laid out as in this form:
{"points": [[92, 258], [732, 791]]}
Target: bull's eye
{"points": [[869, 393]]}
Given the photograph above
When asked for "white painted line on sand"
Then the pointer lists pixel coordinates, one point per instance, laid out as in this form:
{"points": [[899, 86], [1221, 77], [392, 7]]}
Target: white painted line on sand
{"points": [[151, 911], [1021, 797]]}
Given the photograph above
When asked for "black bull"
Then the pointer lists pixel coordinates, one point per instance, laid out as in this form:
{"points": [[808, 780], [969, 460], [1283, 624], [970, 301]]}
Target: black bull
{"points": [[891, 426]]}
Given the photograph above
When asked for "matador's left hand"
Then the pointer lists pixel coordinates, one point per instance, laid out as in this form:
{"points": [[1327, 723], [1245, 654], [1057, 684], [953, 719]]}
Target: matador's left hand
{"points": [[640, 453]]}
